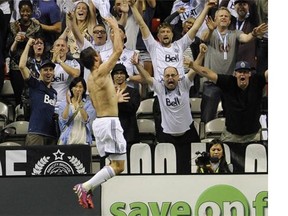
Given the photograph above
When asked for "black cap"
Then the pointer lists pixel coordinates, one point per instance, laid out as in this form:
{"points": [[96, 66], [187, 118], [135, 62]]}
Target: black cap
{"points": [[243, 66], [47, 63], [119, 67], [238, 1]]}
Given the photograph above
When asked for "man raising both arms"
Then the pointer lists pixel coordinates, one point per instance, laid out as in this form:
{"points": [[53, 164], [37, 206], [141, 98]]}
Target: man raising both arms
{"points": [[106, 127]]}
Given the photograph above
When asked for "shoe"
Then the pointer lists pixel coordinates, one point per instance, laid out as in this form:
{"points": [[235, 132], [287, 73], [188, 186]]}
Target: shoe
{"points": [[85, 198]]}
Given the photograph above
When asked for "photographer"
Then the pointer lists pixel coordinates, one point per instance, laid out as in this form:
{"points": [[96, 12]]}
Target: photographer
{"points": [[214, 161]]}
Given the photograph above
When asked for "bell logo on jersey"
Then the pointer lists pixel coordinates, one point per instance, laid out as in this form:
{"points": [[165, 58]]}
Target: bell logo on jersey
{"points": [[59, 78], [47, 100], [173, 103], [169, 58]]}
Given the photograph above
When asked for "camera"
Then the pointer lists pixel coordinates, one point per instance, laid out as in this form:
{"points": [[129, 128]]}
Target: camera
{"points": [[203, 159]]}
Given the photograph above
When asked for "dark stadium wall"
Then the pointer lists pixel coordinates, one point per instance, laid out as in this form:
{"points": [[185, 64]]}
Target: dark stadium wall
{"points": [[45, 196]]}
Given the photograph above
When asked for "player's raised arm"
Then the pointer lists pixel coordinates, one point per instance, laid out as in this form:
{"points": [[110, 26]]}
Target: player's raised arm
{"points": [[118, 45]]}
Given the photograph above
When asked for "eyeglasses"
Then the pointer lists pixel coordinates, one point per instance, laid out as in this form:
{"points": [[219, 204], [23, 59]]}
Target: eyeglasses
{"points": [[99, 31], [170, 75]]}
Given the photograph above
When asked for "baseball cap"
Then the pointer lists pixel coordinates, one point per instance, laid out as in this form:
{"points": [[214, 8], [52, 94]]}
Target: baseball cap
{"points": [[47, 63], [242, 66], [119, 67], [238, 1]]}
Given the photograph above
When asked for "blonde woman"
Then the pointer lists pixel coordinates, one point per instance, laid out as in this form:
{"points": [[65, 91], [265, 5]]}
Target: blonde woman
{"points": [[85, 15]]}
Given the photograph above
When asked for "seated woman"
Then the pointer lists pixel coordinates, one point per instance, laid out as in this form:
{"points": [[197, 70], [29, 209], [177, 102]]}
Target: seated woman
{"points": [[214, 161], [75, 115]]}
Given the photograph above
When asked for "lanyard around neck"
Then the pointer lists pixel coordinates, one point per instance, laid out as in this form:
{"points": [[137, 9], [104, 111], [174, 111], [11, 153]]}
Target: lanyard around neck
{"points": [[241, 26], [224, 42]]}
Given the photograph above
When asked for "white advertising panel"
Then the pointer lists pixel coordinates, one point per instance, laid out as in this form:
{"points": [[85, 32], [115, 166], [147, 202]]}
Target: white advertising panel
{"points": [[199, 195]]}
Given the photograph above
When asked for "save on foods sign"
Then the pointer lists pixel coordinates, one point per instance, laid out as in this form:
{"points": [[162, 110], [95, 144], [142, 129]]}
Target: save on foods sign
{"points": [[199, 195]]}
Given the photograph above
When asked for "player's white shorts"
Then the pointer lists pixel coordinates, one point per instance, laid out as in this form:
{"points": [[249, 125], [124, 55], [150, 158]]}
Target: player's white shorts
{"points": [[109, 137]]}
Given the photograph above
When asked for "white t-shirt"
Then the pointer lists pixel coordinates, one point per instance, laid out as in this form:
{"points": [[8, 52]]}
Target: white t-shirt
{"points": [[175, 106], [62, 80], [105, 50], [131, 29], [163, 57], [5, 7]]}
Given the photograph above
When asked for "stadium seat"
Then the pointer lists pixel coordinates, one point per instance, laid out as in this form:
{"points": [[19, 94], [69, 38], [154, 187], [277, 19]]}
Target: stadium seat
{"points": [[9, 144], [4, 115], [195, 105], [15, 132], [147, 130], [7, 90], [213, 129], [7, 93], [21, 127], [220, 110], [19, 113], [145, 109]]}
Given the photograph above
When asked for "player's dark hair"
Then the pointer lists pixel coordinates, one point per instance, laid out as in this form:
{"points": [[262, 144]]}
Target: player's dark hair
{"points": [[87, 57]]}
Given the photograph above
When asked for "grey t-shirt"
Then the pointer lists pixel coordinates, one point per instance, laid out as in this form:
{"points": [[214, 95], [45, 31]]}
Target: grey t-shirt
{"points": [[214, 58]]}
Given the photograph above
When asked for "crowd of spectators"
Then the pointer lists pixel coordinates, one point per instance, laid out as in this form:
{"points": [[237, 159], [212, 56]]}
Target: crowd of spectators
{"points": [[57, 31]]}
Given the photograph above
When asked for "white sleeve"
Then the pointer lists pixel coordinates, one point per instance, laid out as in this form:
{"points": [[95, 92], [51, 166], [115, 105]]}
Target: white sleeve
{"points": [[86, 45], [103, 6]]}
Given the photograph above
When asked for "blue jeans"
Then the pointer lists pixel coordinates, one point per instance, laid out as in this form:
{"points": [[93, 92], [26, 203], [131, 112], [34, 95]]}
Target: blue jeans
{"points": [[211, 97]]}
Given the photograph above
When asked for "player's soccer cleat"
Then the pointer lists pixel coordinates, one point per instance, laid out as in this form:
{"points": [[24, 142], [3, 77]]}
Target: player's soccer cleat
{"points": [[84, 197]]}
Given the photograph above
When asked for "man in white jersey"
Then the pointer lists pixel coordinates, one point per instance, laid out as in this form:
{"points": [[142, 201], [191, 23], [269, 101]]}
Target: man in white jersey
{"points": [[106, 127], [165, 52], [177, 121], [65, 71]]}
